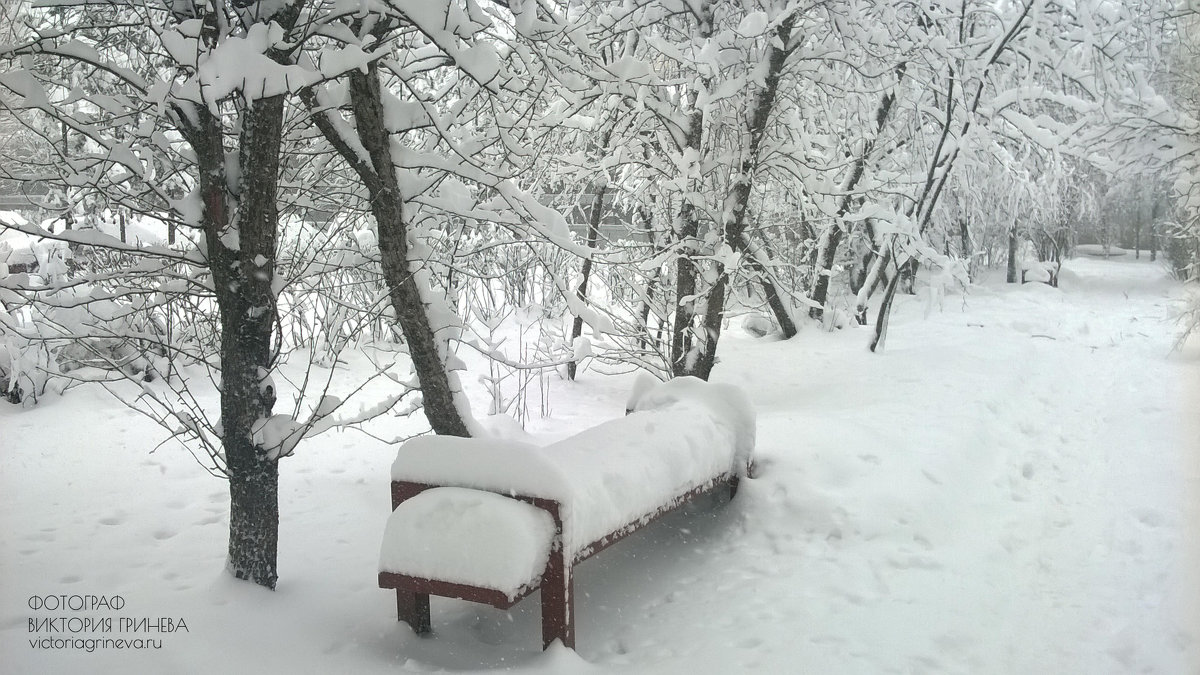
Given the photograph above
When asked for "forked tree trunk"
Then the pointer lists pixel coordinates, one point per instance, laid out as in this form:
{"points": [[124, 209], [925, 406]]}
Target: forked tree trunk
{"points": [[832, 237], [738, 200], [242, 278]]}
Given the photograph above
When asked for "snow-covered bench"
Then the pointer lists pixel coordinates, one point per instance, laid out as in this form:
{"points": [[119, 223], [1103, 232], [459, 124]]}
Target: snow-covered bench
{"points": [[493, 521], [1043, 272]]}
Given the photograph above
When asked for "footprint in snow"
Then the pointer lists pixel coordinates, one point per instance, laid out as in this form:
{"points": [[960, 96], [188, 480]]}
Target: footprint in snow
{"points": [[1149, 517], [750, 643]]}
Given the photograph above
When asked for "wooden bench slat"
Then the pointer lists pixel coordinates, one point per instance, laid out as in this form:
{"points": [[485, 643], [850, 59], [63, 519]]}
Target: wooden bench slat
{"points": [[447, 589]]}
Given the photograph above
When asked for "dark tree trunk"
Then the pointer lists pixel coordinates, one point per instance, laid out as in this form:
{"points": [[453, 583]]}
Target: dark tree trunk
{"points": [[735, 222], [826, 254], [387, 207], [651, 285], [908, 276], [775, 301], [684, 233], [1012, 255], [686, 228], [254, 522], [242, 277], [964, 234], [593, 236], [878, 273], [832, 237], [885, 313]]}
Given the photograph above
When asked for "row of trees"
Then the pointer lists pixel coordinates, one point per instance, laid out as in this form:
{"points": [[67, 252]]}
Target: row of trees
{"points": [[761, 151]]}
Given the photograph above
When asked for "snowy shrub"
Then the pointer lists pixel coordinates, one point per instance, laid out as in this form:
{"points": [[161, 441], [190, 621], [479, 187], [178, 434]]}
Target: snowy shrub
{"points": [[26, 368], [1182, 250]]}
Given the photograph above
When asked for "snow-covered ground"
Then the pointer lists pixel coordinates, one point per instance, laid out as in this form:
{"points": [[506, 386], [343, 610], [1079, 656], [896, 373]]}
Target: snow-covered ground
{"points": [[1013, 486]]}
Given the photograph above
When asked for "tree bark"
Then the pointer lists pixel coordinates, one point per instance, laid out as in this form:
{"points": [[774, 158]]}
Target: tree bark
{"points": [[908, 276], [651, 284], [968, 255], [687, 226], [1012, 255], [593, 235], [827, 248], [684, 232], [775, 301], [738, 200], [387, 207], [241, 253], [832, 237], [885, 313]]}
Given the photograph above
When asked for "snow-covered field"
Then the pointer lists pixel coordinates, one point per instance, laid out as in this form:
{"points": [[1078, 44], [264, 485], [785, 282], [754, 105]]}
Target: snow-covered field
{"points": [[1013, 486]]}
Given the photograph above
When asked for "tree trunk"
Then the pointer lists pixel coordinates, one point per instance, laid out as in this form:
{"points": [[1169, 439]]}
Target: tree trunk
{"points": [[651, 284], [687, 226], [885, 313], [964, 234], [685, 231], [387, 207], [826, 254], [738, 201], [593, 235], [878, 271], [774, 299], [1012, 255], [832, 237], [254, 522], [908, 276], [242, 277]]}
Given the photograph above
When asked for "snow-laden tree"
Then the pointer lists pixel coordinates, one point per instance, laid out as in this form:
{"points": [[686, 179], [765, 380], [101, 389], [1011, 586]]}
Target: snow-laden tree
{"points": [[184, 113]]}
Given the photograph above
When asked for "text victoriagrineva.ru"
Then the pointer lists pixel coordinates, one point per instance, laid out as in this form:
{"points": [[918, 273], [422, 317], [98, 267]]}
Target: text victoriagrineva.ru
{"points": [[92, 644]]}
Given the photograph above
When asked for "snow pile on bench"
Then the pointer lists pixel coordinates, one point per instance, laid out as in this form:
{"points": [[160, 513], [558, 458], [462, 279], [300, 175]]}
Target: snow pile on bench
{"points": [[468, 537], [680, 435]]}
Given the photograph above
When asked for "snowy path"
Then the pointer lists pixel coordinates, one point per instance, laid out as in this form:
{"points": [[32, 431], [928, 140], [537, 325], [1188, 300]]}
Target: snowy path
{"points": [[1011, 487]]}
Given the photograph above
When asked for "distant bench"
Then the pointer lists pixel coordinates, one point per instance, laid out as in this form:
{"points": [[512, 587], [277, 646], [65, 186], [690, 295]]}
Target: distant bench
{"points": [[493, 521]]}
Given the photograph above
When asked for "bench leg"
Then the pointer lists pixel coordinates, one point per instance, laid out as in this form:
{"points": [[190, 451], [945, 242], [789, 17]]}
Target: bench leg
{"points": [[558, 602], [733, 487], [413, 609]]}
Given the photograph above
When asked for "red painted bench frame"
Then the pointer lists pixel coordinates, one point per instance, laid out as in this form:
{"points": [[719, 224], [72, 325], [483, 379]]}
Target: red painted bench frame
{"points": [[556, 582]]}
